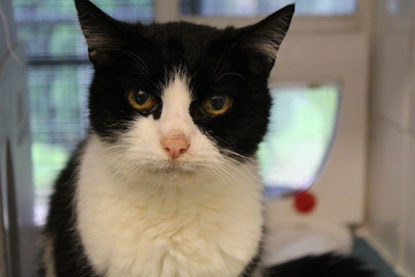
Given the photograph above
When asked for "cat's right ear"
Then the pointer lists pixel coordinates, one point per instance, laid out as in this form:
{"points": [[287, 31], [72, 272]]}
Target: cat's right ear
{"points": [[102, 32]]}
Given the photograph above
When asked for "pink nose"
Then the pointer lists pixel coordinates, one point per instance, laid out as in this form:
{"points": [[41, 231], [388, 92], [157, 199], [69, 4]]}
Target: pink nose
{"points": [[175, 145]]}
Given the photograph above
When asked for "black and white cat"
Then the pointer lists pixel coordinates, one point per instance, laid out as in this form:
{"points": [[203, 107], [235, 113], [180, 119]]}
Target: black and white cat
{"points": [[165, 184]]}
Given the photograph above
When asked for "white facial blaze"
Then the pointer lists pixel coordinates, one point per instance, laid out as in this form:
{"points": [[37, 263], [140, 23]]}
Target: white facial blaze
{"points": [[141, 147], [175, 117]]}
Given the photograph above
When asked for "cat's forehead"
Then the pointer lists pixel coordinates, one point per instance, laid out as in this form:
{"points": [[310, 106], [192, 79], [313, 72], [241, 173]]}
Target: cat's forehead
{"points": [[193, 50], [185, 32], [189, 41]]}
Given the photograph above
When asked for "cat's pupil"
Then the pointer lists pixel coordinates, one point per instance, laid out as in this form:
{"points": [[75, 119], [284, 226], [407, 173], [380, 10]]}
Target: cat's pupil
{"points": [[217, 102], [141, 97]]}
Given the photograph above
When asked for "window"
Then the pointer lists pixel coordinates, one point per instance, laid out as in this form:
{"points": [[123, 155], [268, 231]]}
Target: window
{"points": [[58, 121], [264, 7]]}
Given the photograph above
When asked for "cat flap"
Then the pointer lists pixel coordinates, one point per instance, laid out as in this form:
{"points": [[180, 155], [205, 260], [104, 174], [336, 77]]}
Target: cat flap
{"points": [[259, 43]]}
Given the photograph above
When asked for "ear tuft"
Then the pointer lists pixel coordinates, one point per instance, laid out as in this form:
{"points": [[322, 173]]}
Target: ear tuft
{"points": [[264, 38], [101, 31]]}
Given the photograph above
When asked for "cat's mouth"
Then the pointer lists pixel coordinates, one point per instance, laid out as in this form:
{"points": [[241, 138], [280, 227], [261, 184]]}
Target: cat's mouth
{"points": [[174, 167]]}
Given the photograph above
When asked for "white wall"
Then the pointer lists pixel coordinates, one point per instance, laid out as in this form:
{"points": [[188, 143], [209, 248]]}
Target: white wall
{"points": [[391, 164]]}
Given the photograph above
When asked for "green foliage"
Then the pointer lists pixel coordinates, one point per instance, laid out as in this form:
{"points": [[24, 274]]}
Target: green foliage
{"points": [[48, 160]]}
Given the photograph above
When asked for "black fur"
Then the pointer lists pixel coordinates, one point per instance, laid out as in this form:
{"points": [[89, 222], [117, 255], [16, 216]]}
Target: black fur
{"points": [[253, 266], [69, 256], [328, 265]]}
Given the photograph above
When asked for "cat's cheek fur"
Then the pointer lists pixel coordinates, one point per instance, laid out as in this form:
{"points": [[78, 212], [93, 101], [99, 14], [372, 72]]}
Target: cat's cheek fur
{"points": [[203, 226]]}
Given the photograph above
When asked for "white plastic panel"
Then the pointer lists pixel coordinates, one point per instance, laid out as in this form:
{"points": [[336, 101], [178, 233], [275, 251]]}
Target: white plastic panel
{"points": [[391, 190], [387, 187], [339, 189]]}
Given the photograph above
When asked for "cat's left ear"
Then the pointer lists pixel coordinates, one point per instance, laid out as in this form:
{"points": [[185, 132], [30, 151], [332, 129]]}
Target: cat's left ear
{"points": [[260, 42]]}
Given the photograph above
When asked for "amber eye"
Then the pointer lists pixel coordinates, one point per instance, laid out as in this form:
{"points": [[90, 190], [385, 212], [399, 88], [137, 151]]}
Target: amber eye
{"points": [[142, 101], [217, 105]]}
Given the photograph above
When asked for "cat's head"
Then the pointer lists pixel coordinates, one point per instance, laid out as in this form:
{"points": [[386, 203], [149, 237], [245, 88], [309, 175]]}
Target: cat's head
{"points": [[180, 96]]}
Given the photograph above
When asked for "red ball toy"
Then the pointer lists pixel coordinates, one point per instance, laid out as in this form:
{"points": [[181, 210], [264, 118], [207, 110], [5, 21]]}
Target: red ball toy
{"points": [[304, 202]]}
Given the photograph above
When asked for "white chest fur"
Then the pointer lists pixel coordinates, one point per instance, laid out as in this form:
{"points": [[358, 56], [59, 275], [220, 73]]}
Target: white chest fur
{"points": [[195, 226]]}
